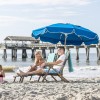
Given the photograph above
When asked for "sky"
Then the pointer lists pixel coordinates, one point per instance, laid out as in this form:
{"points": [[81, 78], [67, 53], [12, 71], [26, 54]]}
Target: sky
{"points": [[20, 17]]}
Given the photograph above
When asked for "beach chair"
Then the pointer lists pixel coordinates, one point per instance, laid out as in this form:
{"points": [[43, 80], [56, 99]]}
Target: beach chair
{"points": [[51, 57], [53, 72]]}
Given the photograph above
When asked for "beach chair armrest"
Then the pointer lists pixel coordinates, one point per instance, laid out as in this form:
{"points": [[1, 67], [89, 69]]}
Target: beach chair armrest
{"points": [[48, 65]]}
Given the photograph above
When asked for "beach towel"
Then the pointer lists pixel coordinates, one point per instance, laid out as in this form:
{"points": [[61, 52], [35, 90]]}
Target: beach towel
{"points": [[70, 66]]}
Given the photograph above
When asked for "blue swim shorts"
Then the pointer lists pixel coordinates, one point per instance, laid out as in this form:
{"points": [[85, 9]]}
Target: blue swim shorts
{"points": [[51, 70]]}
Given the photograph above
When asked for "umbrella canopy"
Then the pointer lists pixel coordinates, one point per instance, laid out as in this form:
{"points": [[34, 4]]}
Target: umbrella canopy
{"points": [[68, 34]]}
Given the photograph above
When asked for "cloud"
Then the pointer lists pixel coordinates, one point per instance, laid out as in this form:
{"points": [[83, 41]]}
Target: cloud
{"points": [[9, 20], [38, 9], [42, 16], [47, 12], [44, 2]]}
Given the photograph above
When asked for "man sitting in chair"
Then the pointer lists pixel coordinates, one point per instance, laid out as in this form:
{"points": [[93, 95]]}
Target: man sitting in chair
{"points": [[56, 64]]}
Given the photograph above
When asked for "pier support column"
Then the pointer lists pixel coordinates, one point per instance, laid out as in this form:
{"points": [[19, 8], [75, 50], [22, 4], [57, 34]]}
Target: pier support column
{"points": [[44, 53], [98, 53], [4, 54], [33, 53], [67, 48], [14, 53], [87, 53], [24, 53], [77, 53], [51, 50]]}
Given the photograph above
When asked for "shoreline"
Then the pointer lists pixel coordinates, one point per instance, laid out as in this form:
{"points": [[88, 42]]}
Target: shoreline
{"points": [[87, 72]]}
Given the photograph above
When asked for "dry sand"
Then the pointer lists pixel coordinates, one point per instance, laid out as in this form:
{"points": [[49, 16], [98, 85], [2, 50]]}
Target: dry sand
{"points": [[77, 89]]}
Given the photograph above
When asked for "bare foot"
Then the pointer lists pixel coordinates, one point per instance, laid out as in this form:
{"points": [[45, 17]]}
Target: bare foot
{"points": [[19, 74], [21, 71], [22, 74]]}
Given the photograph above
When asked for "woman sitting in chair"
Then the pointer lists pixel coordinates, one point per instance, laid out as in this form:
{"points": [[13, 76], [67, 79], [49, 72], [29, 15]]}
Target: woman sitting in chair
{"points": [[38, 64], [56, 64]]}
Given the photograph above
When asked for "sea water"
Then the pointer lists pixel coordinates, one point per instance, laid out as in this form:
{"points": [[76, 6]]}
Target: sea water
{"points": [[93, 61]]}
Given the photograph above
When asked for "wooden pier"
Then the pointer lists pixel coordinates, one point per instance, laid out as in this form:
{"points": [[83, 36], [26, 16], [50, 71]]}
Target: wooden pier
{"points": [[21, 43]]}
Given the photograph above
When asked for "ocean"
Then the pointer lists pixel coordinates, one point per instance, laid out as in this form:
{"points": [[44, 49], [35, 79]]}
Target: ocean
{"points": [[93, 61]]}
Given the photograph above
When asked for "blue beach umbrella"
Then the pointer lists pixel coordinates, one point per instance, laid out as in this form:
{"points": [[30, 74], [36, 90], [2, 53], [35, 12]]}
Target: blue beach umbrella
{"points": [[68, 34]]}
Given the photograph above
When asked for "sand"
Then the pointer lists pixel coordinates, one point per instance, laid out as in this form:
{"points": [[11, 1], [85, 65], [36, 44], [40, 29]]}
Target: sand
{"points": [[76, 89], [84, 85]]}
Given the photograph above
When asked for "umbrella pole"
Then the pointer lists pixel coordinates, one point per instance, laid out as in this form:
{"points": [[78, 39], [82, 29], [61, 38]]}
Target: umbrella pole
{"points": [[65, 41]]}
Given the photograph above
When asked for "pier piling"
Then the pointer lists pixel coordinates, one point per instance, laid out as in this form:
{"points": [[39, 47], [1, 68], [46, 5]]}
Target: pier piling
{"points": [[44, 53], [77, 53], [87, 53], [14, 53], [24, 53], [4, 54], [98, 53], [51, 50], [33, 53]]}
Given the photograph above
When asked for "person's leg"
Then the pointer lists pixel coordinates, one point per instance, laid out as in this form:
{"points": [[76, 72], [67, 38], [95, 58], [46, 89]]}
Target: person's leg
{"points": [[39, 71], [33, 68]]}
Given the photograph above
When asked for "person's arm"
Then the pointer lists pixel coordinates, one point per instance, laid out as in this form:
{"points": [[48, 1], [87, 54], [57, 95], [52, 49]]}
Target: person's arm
{"points": [[53, 63], [40, 62]]}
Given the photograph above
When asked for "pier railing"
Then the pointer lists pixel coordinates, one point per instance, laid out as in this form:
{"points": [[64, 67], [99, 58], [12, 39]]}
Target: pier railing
{"points": [[45, 45], [28, 46]]}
